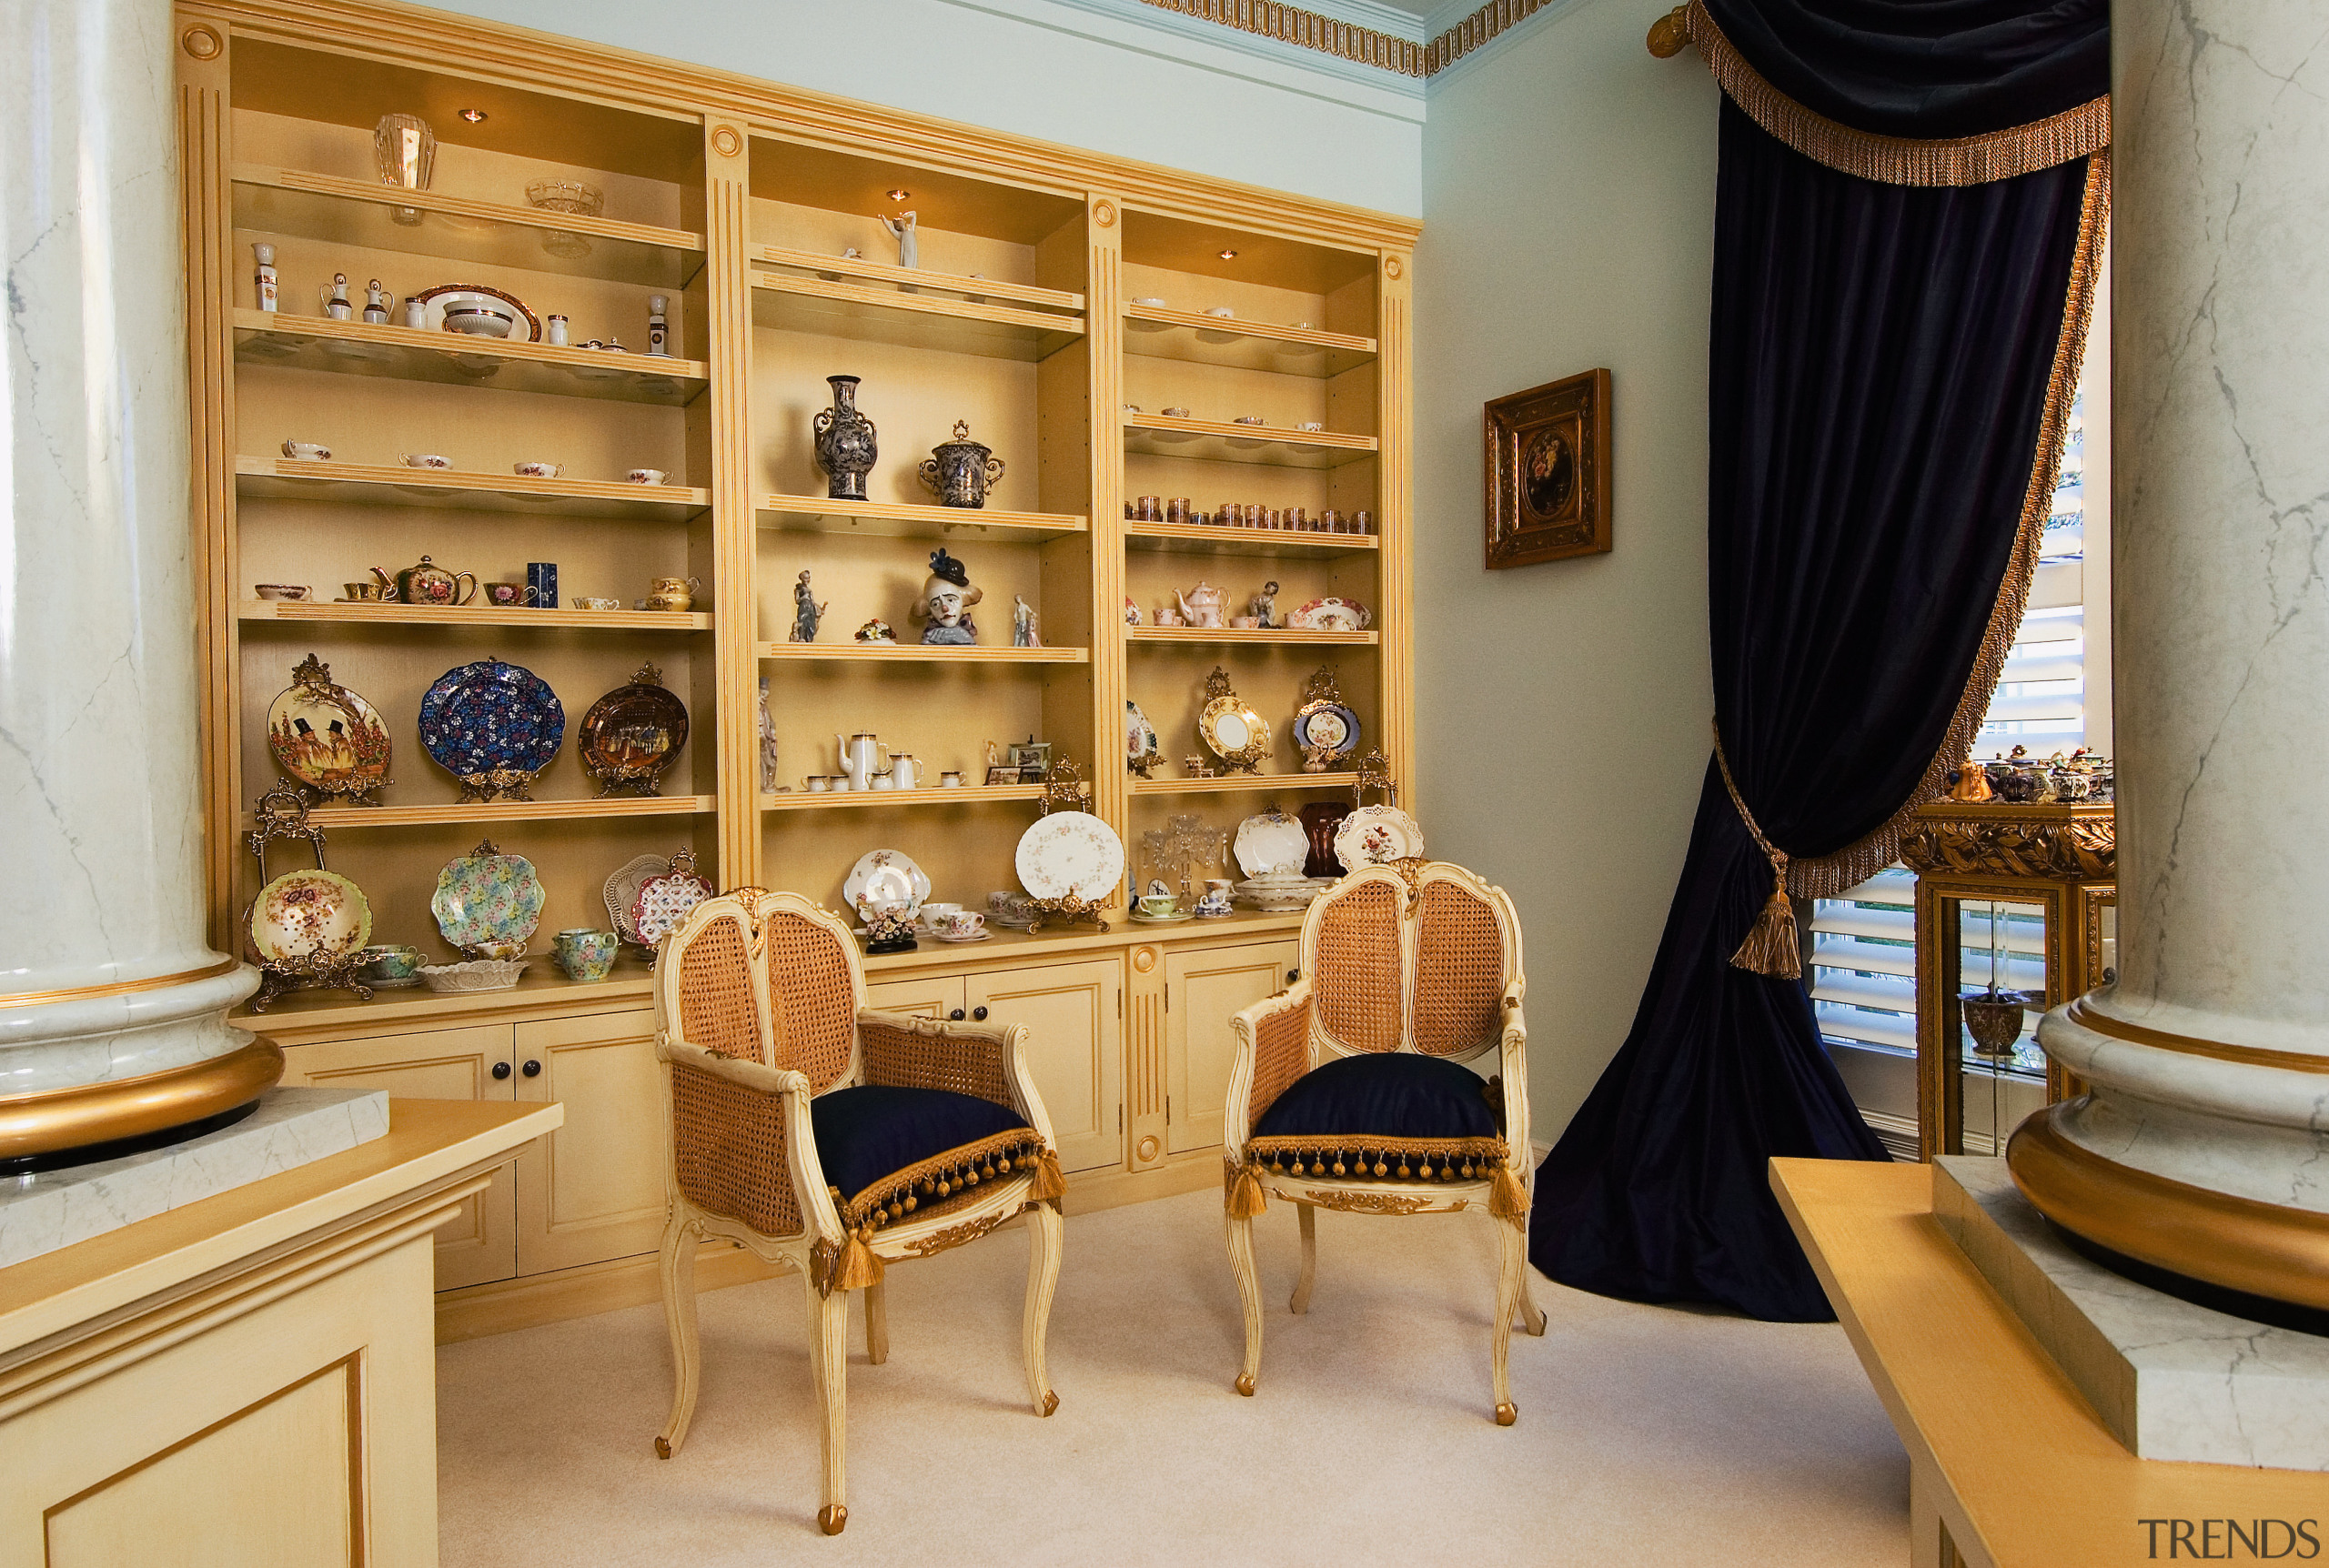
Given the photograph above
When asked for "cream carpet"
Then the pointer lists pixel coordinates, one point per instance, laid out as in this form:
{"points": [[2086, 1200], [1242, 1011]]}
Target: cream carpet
{"points": [[1647, 1435]]}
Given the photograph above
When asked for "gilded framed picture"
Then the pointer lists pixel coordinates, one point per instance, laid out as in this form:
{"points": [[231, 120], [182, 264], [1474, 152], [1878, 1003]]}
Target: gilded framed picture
{"points": [[1547, 468]]}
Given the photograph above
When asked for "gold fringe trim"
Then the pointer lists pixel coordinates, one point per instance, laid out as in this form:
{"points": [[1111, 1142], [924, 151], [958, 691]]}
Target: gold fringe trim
{"points": [[1244, 1199], [946, 1175], [1898, 160], [1770, 947], [1363, 1159], [1830, 875]]}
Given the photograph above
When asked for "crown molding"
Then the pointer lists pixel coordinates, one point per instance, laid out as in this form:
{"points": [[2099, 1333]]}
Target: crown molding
{"points": [[1352, 23], [1462, 35]]}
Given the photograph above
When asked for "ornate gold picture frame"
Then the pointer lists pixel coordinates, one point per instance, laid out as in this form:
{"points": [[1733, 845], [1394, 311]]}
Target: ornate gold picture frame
{"points": [[1548, 472]]}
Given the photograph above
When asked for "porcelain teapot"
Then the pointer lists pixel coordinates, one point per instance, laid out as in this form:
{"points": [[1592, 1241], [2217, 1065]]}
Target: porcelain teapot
{"points": [[1201, 605], [861, 755], [426, 582]]}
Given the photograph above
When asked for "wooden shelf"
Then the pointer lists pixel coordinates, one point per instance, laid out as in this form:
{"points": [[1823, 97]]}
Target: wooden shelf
{"points": [[870, 314], [1154, 332], [264, 337], [1252, 634], [1243, 783], [897, 519], [829, 800], [979, 289], [1160, 436], [1213, 539], [457, 229], [381, 485], [333, 610], [339, 817], [908, 652]]}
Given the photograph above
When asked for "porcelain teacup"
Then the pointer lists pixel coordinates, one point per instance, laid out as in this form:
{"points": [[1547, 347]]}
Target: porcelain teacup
{"points": [[588, 602], [645, 476], [1176, 412], [1159, 906], [507, 594], [950, 780], [583, 954], [933, 914], [1221, 310], [390, 963], [360, 593], [293, 591], [538, 470], [427, 460], [960, 926], [307, 451], [499, 950]]}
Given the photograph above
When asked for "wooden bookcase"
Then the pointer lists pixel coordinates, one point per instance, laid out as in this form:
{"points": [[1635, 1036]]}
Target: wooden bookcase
{"points": [[734, 198]]}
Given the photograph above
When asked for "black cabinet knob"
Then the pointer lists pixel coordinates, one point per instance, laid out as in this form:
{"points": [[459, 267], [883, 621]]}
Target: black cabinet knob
{"points": [[533, 1070], [979, 1013], [500, 1070], [1292, 975], [956, 1015]]}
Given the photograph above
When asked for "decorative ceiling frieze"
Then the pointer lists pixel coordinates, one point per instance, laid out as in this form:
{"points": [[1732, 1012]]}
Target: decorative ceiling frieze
{"points": [[1361, 45]]}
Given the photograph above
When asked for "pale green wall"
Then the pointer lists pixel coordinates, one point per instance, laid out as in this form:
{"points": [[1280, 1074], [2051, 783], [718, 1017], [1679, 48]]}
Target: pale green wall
{"points": [[1569, 205]]}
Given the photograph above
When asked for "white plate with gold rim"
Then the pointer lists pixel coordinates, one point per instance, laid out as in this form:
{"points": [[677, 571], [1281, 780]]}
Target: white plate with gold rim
{"points": [[1373, 834], [1268, 840], [1069, 854]]}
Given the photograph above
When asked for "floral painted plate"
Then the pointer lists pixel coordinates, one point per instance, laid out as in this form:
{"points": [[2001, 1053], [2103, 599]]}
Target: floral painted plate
{"points": [[304, 915], [1140, 736], [493, 726], [1373, 834], [1269, 840], [664, 902], [1329, 726], [887, 877], [1070, 854], [488, 903], [325, 735], [622, 891], [1332, 615]]}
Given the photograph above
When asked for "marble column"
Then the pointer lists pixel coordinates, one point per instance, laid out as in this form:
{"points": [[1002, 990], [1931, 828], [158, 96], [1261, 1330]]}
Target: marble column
{"points": [[112, 1003], [2201, 1148]]}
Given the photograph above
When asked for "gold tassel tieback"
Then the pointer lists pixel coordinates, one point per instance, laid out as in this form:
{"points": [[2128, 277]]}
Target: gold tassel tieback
{"points": [[1770, 947], [1245, 1198], [1507, 1198], [1049, 1185], [859, 1265]]}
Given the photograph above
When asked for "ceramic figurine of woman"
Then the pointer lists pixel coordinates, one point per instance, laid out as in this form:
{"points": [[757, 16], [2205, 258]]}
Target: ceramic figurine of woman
{"points": [[1264, 608], [768, 775], [806, 611], [1022, 624], [901, 230], [947, 597]]}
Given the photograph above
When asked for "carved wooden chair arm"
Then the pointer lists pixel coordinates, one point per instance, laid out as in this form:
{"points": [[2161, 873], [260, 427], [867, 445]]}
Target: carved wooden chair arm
{"points": [[1273, 1051], [987, 1060], [1513, 1053], [736, 1070]]}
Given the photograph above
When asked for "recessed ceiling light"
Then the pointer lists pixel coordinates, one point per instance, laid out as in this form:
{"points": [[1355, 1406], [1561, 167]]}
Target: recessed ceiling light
{"points": [[1228, 256], [473, 116], [900, 195]]}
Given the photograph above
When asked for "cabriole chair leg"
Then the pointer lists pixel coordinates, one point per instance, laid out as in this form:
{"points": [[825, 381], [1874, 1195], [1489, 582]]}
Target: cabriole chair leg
{"points": [[1308, 1214], [677, 1266], [877, 1322], [1532, 1316], [828, 1363], [1508, 1287], [1249, 1296], [1045, 1232]]}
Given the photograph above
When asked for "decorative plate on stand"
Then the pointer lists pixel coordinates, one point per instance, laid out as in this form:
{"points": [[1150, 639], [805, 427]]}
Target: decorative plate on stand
{"points": [[634, 733], [1141, 750], [1323, 725], [1229, 726], [1269, 840], [488, 903], [525, 326], [887, 877], [327, 737], [493, 726], [1332, 615], [1373, 834], [1070, 854], [622, 891], [304, 917], [664, 902]]}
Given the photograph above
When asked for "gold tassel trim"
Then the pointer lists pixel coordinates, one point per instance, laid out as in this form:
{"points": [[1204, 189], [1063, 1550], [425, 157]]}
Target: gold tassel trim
{"points": [[1829, 875], [2075, 133], [1507, 1198], [1049, 1185], [947, 1177], [1244, 1199], [1380, 1158], [857, 1265], [1770, 947]]}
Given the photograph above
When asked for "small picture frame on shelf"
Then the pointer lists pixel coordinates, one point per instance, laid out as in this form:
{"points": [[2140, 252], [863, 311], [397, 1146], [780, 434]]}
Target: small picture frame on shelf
{"points": [[1548, 472], [1002, 775]]}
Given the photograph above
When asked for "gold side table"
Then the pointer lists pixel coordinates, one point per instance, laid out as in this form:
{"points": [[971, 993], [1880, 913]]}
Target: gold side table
{"points": [[2062, 858]]}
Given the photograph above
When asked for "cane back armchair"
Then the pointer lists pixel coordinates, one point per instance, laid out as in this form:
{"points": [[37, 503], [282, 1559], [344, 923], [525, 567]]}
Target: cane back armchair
{"points": [[1348, 1092], [833, 1139]]}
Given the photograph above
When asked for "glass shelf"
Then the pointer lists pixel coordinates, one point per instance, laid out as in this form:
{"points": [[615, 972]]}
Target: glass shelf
{"points": [[882, 314], [898, 519], [1243, 783], [842, 799], [1213, 539], [1160, 435], [327, 611], [1162, 634], [903, 652], [342, 817], [1154, 332], [266, 337], [379, 485]]}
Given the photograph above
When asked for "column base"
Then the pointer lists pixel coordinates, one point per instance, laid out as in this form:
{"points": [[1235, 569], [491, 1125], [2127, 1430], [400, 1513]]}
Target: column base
{"points": [[51, 1128]]}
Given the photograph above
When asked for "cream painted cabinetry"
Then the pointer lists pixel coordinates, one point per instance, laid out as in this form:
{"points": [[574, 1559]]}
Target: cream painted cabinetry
{"points": [[1204, 987]]}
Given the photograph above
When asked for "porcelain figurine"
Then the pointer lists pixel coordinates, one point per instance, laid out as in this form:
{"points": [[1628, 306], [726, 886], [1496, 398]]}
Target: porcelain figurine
{"points": [[901, 228], [375, 305], [845, 443], [1201, 605], [426, 582], [947, 597], [269, 297], [876, 630], [658, 325], [1264, 606], [768, 774], [1132, 611], [1969, 783], [1022, 624], [335, 305], [806, 612], [959, 471]]}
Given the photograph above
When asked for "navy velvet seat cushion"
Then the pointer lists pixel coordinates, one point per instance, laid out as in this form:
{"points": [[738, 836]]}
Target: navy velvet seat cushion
{"points": [[1387, 1095], [875, 1129]]}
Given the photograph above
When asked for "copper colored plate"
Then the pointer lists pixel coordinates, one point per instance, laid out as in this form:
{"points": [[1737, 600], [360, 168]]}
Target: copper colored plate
{"points": [[633, 732]]}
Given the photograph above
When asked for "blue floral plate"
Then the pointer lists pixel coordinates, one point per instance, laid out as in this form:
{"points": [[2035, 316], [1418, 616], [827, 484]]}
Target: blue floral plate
{"points": [[493, 726]]}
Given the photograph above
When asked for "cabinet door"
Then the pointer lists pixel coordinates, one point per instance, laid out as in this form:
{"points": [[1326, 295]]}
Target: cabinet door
{"points": [[936, 996], [593, 1189], [1073, 1014], [1203, 990], [479, 1242]]}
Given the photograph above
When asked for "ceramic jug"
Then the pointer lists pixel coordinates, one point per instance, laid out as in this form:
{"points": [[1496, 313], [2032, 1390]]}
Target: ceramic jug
{"points": [[426, 582], [860, 756], [905, 770]]}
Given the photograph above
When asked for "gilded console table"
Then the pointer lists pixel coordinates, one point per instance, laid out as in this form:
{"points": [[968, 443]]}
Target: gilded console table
{"points": [[2062, 858]]}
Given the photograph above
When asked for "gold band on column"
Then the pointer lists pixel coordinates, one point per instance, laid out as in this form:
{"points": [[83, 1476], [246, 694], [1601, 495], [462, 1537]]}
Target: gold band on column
{"points": [[117, 988], [58, 1120], [2102, 1022], [2264, 1248]]}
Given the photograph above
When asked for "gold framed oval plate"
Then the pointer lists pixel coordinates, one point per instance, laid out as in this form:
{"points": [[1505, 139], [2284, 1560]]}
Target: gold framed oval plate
{"points": [[632, 734], [1229, 726], [327, 737]]}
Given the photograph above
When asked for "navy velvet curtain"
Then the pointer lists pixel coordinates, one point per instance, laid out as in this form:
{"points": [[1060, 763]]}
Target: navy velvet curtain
{"points": [[1880, 358]]}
